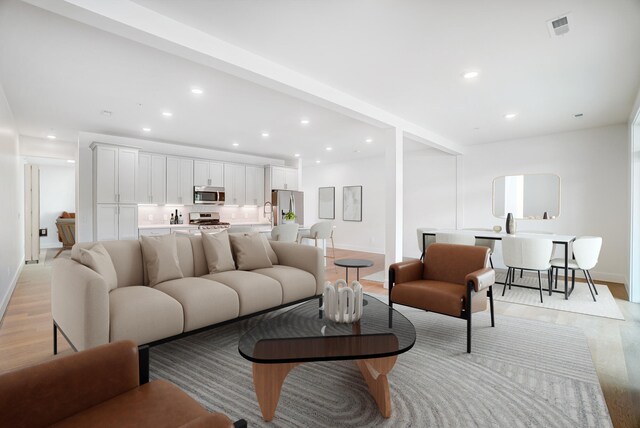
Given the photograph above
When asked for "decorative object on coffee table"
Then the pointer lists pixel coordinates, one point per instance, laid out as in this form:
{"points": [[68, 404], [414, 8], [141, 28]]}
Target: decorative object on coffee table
{"points": [[353, 263], [343, 302], [304, 335]]}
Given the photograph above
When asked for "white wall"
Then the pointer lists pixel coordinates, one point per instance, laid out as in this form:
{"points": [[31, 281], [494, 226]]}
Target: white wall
{"points": [[12, 230], [593, 166], [57, 194], [40, 147], [84, 214]]}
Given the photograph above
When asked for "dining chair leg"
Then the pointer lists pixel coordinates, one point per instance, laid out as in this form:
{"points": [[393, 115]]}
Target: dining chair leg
{"points": [[540, 286], [586, 276], [573, 280], [556, 279], [490, 261], [592, 283], [506, 280], [549, 281]]}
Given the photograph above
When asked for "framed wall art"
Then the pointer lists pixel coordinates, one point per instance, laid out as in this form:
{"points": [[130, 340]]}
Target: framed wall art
{"points": [[352, 203]]}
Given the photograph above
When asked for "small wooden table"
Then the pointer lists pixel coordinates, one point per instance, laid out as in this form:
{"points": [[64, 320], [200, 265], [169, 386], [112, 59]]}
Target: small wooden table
{"points": [[353, 263], [303, 335]]}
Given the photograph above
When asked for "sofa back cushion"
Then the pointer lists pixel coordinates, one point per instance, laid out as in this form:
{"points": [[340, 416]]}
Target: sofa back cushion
{"points": [[97, 258], [217, 251], [249, 251], [200, 267], [451, 263], [160, 254], [126, 257]]}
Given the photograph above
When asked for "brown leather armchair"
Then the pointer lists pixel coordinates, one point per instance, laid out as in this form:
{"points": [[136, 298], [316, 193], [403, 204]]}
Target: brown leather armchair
{"points": [[453, 280], [98, 387]]}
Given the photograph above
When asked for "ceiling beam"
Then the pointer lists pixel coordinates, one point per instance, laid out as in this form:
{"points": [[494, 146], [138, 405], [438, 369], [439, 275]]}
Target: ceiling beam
{"points": [[135, 22]]}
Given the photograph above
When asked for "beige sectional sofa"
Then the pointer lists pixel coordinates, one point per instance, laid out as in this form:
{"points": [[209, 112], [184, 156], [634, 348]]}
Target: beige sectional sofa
{"points": [[89, 313]]}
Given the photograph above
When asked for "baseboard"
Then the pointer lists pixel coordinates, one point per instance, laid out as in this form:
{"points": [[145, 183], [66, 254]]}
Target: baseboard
{"points": [[12, 287], [358, 248], [50, 246]]}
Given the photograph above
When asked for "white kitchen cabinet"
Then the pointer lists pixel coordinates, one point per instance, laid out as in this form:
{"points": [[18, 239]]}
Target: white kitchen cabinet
{"points": [[116, 221], [235, 184], [152, 179], [281, 177], [115, 174], [179, 181], [207, 173], [254, 185]]}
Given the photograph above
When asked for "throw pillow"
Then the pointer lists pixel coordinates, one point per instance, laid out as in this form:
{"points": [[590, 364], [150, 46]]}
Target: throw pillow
{"points": [[272, 254], [217, 251], [97, 259], [160, 255], [249, 251]]}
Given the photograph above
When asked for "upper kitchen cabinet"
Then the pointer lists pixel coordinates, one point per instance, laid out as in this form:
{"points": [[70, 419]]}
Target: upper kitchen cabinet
{"points": [[254, 185], [207, 173], [115, 170], [179, 181], [281, 177], [235, 184], [152, 179]]}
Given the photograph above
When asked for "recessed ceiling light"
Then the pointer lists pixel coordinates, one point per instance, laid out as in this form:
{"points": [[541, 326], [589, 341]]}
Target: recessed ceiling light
{"points": [[368, 140], [297, 155], [235, 144], [197, 91], [51, 137], [71, 160], [265, 134], [317, 161], [167, 114], [328, 149], [106, 113], [304, 121], [146, 129], [510, 115], [578, 115], [471, 74], [356, 151]]}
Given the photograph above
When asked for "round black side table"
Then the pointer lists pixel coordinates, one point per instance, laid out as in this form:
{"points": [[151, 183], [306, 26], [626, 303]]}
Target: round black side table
{"points": [[353, 263]]}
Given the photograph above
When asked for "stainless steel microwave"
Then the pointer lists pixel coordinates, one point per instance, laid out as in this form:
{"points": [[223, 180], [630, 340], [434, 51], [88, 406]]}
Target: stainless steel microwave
{"points": [[208, 195]]}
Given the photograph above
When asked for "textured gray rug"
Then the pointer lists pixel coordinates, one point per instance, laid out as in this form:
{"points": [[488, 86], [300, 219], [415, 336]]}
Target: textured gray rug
{"points": [[520, 374]]}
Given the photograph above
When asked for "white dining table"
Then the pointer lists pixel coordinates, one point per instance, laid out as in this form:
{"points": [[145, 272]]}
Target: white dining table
{"points": [[563, 240]]}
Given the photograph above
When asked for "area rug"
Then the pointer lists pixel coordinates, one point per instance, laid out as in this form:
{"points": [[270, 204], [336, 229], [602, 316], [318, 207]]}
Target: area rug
{"points": [[520, 374], [375, 277], [580, 301]]}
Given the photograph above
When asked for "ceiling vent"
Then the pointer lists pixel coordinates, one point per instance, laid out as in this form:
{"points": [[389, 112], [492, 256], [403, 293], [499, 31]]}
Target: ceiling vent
{"points": [[559, 26]]}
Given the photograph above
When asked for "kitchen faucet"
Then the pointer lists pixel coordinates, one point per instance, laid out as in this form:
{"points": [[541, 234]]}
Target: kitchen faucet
{"points": [[270, 212]]}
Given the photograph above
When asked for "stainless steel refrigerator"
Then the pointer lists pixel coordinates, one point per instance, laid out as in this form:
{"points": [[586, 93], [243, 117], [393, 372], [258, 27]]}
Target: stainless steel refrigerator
{"points": [[287, 200]]}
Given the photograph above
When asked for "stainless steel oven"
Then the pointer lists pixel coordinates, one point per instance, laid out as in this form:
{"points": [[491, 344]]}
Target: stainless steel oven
{"points": [[208, 195]]}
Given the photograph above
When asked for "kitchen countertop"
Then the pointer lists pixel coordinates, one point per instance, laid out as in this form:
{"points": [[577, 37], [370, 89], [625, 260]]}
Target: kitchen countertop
{"points": [[168, 226]]}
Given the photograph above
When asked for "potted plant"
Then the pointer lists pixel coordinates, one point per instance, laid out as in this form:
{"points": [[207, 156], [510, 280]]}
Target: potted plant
{"points": [[289, 217]]}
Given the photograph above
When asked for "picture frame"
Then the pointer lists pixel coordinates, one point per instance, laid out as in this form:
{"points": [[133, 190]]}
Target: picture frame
{"points": [[352, 203], [327, 203]]}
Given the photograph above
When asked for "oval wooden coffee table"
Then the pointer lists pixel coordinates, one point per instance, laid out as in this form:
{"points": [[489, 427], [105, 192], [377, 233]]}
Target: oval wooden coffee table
{"points": [[303, 335]]}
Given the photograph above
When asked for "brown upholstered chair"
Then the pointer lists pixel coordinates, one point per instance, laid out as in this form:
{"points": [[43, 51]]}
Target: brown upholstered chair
{"points": [[98, 387], [66, 225], [453, 280]]}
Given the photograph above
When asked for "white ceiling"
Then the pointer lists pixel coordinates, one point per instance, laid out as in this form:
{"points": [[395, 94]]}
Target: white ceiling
{"points": [[406, 57]]}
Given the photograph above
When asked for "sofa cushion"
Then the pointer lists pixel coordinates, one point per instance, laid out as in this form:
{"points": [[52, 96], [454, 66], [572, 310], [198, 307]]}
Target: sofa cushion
{"points": [[249, 251], [203, 301], [154, 404], [160, 255], [272, 254], [256, 292], [126, 256], [199, 258], [296, 283], [143, 314], [217, 250], [97, 258]]}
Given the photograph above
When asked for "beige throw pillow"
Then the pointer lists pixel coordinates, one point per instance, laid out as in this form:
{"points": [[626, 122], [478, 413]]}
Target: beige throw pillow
{"points": [[272, 254], [249, 251], [97, 259], [160, 255], [217, 251]]}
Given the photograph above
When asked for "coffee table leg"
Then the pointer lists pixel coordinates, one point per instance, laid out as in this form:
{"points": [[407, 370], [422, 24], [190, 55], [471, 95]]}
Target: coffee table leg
{"points": [[374, 372], [267, 381]]}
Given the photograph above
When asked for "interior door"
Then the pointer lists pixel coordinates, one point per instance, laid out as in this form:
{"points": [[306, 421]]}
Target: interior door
{"points": [[32, 213]]}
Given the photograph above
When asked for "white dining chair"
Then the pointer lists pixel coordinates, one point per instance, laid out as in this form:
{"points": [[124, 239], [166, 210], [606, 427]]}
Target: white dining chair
{"points": [[322, 230], [532, 254], [586, 250], [287, 232], [484, 242], [458, 238], [428, 240]]}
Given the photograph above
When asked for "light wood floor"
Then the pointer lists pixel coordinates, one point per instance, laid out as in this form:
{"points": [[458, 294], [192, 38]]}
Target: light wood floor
{"points": [[25, 332]]}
